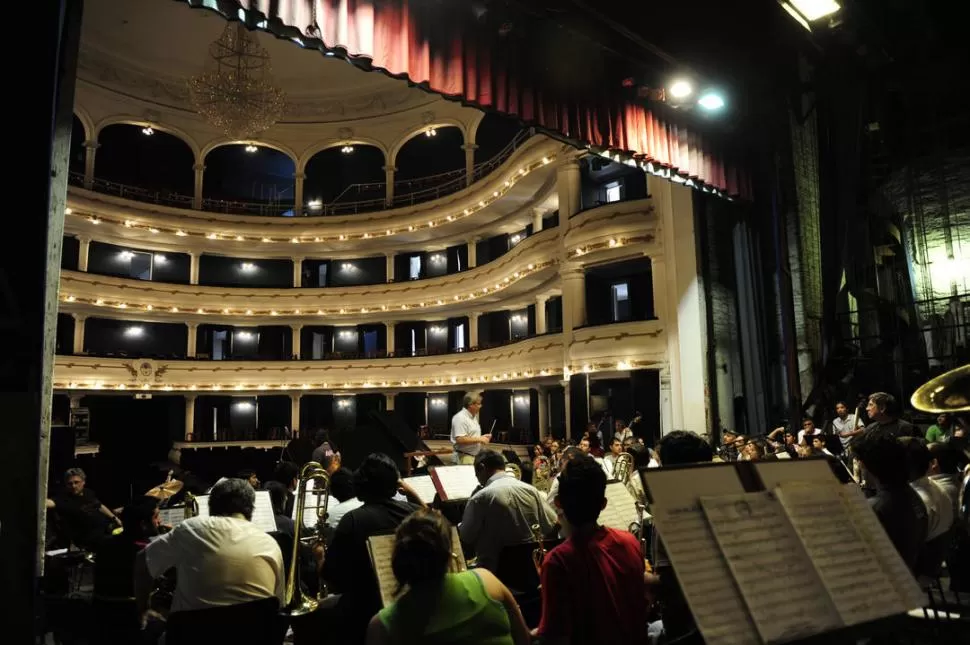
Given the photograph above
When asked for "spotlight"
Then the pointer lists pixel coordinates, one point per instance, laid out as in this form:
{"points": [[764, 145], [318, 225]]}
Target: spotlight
{"points": [[680, 89], [711, 101], [250, 148], [814, 9]]}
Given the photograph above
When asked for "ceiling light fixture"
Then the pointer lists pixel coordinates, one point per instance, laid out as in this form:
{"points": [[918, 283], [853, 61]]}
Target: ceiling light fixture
{"points": [[250, 148], [148, 131], [680, 89]]}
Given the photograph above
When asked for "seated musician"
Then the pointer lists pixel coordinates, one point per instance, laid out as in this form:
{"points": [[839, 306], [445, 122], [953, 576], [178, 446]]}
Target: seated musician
{"points": [[219, 560], [288, 474], [116, 615], [342, 489], [570, 453], [347, 565], [593, 584], [278, 497], [503, 512], [439, 607], [86, 520]]}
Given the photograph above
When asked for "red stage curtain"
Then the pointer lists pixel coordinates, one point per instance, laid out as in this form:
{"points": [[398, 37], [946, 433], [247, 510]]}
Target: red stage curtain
{"points": [[423, 42]]}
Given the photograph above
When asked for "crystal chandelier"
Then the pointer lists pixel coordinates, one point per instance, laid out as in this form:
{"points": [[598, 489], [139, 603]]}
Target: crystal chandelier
{"points": [[236, 93]]}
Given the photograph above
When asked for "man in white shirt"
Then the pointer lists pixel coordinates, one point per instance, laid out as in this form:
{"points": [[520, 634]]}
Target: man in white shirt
{"points": [[846, 425], [220, 560], [808, 430], [503, 512], [622, 431], [466, 433], [342, 490], [609, 461]]}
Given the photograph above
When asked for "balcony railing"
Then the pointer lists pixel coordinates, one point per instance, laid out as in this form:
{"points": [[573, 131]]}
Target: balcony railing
{"points": [[356, 198]]}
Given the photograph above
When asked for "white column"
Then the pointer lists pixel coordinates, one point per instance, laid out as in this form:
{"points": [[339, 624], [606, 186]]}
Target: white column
{"points": [[389, 340], [191, 342], [197, 195], [566, 417], [193, 268], [389, 264], [389, 184], [389, 401], [297, 273], [79, 332], [84, 248], [473, 329], [295, 414], [542, 397], [573, 297], [469, 149], [298, 193], [473, 254], [296, 340], [684, 313], [568, 187], [90, 148], [189, 416], [666, 404], [541, 314], [536, 220]]}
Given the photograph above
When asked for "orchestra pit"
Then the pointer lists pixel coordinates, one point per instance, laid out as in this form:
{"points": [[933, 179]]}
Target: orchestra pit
{"points": [[480, 322]]}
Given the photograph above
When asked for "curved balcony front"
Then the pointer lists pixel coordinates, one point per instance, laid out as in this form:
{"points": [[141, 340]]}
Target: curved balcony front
{"points": [[532, 361], [515, 278], [501, 202]]}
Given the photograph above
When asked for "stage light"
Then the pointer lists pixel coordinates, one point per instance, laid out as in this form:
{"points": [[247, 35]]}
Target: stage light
{"points": [[251, 148], [681, 89], [711, 101], [815, 9], [148, 131]]}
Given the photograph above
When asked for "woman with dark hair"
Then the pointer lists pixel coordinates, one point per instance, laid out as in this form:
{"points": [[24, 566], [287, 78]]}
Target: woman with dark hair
{"points": [[438, 607]]}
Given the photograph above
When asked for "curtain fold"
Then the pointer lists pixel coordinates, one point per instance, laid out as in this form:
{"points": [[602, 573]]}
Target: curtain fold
{"points": [[439, 47]]}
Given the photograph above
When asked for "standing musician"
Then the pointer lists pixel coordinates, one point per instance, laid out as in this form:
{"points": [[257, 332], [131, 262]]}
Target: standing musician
{"points": [[466, 432], [847, 427], [86, 519]]}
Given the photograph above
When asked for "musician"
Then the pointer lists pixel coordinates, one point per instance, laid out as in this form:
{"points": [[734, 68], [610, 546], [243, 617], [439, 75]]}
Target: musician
{"points": [[609, 461], [250, 476], [219, 560], [342, 490], [322, 451], [593, 584], [468, 607], [347, 565], [86, 519], [278, 496], [288, 474], [503, 512], [728, 451], [568, 454], [942, 430], [807, 432], [466, 432], [881, 408], [847, 426], [622, 431]]}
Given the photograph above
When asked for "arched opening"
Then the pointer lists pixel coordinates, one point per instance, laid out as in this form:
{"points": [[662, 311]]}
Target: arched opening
{"points": [[344, 179], [494, 133], [430, 165], [144, 158], [248, 173], [76, 162]]}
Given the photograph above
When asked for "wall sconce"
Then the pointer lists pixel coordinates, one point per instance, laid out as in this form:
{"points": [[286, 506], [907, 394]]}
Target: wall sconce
{"points": [[347, 333], [250, 148], [315, 204], [244, 405], [344, 403], [347, 150], [134, 332], [430, 132], [347, 266], [438, 403], [247, 267], [521, 400], [161, 259], [515, 239], [148, 130], [245, 335], [125, 255]]}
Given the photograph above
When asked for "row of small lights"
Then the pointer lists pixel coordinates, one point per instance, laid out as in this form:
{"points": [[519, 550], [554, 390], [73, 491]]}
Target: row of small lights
{"points": [[228, 237], [508, 281], [612, 243], [454, 380]]}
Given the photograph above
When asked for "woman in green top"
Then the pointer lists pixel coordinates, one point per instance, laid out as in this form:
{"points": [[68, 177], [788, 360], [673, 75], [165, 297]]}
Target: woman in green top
{"points": [[438, 607]]}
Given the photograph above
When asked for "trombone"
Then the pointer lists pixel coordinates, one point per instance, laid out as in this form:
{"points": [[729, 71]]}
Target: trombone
{"points": [[297, 603]]}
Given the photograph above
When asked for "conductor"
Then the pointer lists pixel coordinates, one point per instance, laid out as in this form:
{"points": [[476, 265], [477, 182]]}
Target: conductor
{"points": [[466, 432]]}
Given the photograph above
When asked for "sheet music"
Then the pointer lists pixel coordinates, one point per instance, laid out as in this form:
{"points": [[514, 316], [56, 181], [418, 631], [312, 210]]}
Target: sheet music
{"points": [[849, 569], [700, 567], [783, 592], [423, 486], [172, 516], [774, 473], [310, 516], [704, 575], [621, 508], [263, 516], [867, 524], [456, 482], [381, 550]]}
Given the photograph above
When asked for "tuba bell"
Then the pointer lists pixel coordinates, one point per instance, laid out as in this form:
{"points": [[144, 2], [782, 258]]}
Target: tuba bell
{"points": [[542, 479], [539, 553], [514, 470], [623, 467], [297, 603], [948, 392]]}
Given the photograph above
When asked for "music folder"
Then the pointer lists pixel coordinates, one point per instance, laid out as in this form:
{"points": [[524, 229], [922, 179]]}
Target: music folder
{"points": [[742, 536], [454, 482], [380, 548]]}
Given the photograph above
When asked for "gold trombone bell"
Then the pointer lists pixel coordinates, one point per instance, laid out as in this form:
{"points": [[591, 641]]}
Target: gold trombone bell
{"points": [[949, 392]]}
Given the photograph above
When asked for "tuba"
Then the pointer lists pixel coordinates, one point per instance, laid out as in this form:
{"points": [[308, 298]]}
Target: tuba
{"points": [[539, 554], [514, 470], [949, 392], [543, 473], [297, 603], [623, 467]]}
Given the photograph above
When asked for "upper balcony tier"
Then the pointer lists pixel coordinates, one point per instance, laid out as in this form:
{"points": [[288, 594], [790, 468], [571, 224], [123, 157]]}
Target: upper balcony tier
{"points": [[504, 201], [603, 349]]}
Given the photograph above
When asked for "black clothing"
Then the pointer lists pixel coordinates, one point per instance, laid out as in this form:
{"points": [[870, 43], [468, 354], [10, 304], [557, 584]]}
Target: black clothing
{"points": [[82, 518], [897, 428], [903, 514], [347, 568]]}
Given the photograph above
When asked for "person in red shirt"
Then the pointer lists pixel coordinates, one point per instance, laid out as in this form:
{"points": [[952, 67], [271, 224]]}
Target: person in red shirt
{"points": [[593, 588]]}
